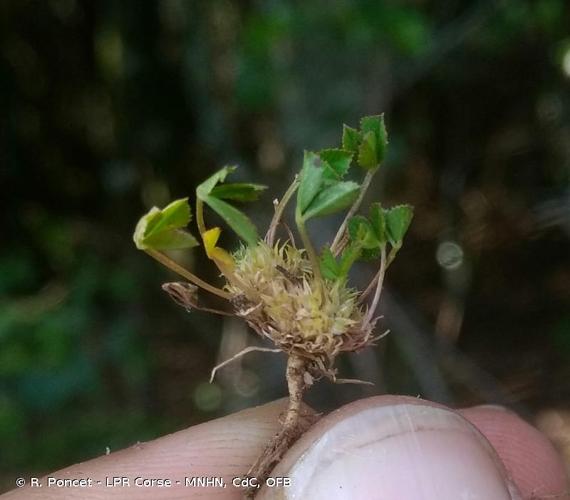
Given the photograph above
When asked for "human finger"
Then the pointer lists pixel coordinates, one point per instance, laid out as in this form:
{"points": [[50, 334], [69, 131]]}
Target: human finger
{"points": [[392, 447], [220, 449], [529, 457]]}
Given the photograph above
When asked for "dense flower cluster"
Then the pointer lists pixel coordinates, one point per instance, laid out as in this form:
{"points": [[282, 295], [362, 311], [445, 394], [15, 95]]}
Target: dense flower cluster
{"points": [[275, 291]]}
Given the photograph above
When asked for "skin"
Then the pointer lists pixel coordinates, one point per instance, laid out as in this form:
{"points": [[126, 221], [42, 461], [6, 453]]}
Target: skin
{"points": [[228, 446]]}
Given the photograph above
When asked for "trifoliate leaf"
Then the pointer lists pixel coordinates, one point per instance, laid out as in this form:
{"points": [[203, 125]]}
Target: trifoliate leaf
{"points": [[332, 199], [311, 180], [145, 225], [234, 218], [329, 266], [206, 187], [336, 163], [367, 152], [175, 215], [378, 221], [177, 239], [376, 125], [163, 229], [361, 232], [371, 124], [350, 139], [239, 191], [398, 221]]}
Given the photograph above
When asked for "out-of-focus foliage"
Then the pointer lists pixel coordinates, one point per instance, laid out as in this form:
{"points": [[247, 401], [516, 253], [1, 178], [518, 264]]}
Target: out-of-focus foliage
{"points": [[110, 108]]}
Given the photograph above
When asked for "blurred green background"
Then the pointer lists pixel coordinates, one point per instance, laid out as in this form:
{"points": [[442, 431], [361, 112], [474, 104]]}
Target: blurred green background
{"points": [[108, 108]]}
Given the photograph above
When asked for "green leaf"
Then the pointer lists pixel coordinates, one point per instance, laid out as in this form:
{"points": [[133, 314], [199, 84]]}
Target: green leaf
{"points": [[163, 229], [376, 125], [332, 199], [369, 254], [349, 256], [367, 152], [238, 191], [350, 139], [208, 185], [177, 213], [234, 218], [311, 180], [176, 239], [329, 266], [378, 221], [332, 269], [382, 140], [361, 232], [336, 163], [398, 221]]}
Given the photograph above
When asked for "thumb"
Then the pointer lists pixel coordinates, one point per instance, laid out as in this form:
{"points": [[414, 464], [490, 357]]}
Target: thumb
{"points": [[387, 448]]}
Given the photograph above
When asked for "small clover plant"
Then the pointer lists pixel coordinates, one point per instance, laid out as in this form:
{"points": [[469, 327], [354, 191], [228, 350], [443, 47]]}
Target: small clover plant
{"points": [[293, 295]]}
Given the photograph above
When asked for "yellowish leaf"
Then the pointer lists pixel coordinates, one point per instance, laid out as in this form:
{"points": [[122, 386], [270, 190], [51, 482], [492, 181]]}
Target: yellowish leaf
{"points": [[220, 256]]}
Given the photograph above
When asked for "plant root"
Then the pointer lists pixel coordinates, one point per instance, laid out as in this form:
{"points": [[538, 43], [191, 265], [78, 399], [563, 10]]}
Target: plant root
{"points": [[292, 428], [239, 355], [352, 381]]}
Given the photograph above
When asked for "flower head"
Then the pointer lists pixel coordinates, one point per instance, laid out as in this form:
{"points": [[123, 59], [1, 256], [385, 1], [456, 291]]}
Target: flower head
{"points": [[279, 296]]}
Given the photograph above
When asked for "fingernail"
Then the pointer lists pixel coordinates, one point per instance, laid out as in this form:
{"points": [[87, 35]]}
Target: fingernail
{"points": [[404, 451], [504, 409]]}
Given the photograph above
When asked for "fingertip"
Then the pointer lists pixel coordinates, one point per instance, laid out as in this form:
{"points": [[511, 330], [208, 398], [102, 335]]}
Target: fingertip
{"points": [[393, 447], [530, 458], [222, 448]]}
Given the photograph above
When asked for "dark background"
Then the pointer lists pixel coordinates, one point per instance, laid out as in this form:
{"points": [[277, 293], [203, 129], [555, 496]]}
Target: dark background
{"points": [[108, 108]]}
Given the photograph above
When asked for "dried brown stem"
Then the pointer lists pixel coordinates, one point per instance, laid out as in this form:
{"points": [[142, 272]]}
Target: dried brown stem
{"points": [[291, 429], [342, 244], [270, 236], [186, 295]]}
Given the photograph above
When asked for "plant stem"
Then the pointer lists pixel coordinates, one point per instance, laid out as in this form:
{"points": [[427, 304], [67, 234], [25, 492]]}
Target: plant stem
{"points": [[200, 216], [292, 427], [310, 249], [270, 236], [379, 284], [371, 285], [177, 268], [296, 384], [353, 209], [344, 240]]}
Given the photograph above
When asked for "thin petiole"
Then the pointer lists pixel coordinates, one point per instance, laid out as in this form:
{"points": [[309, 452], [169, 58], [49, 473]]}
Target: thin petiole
{"points": [[372, 284], [177, 268], [270, 236], [342, 245], [200, 216], [353, 209], [379, 284], [309, 248]]}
